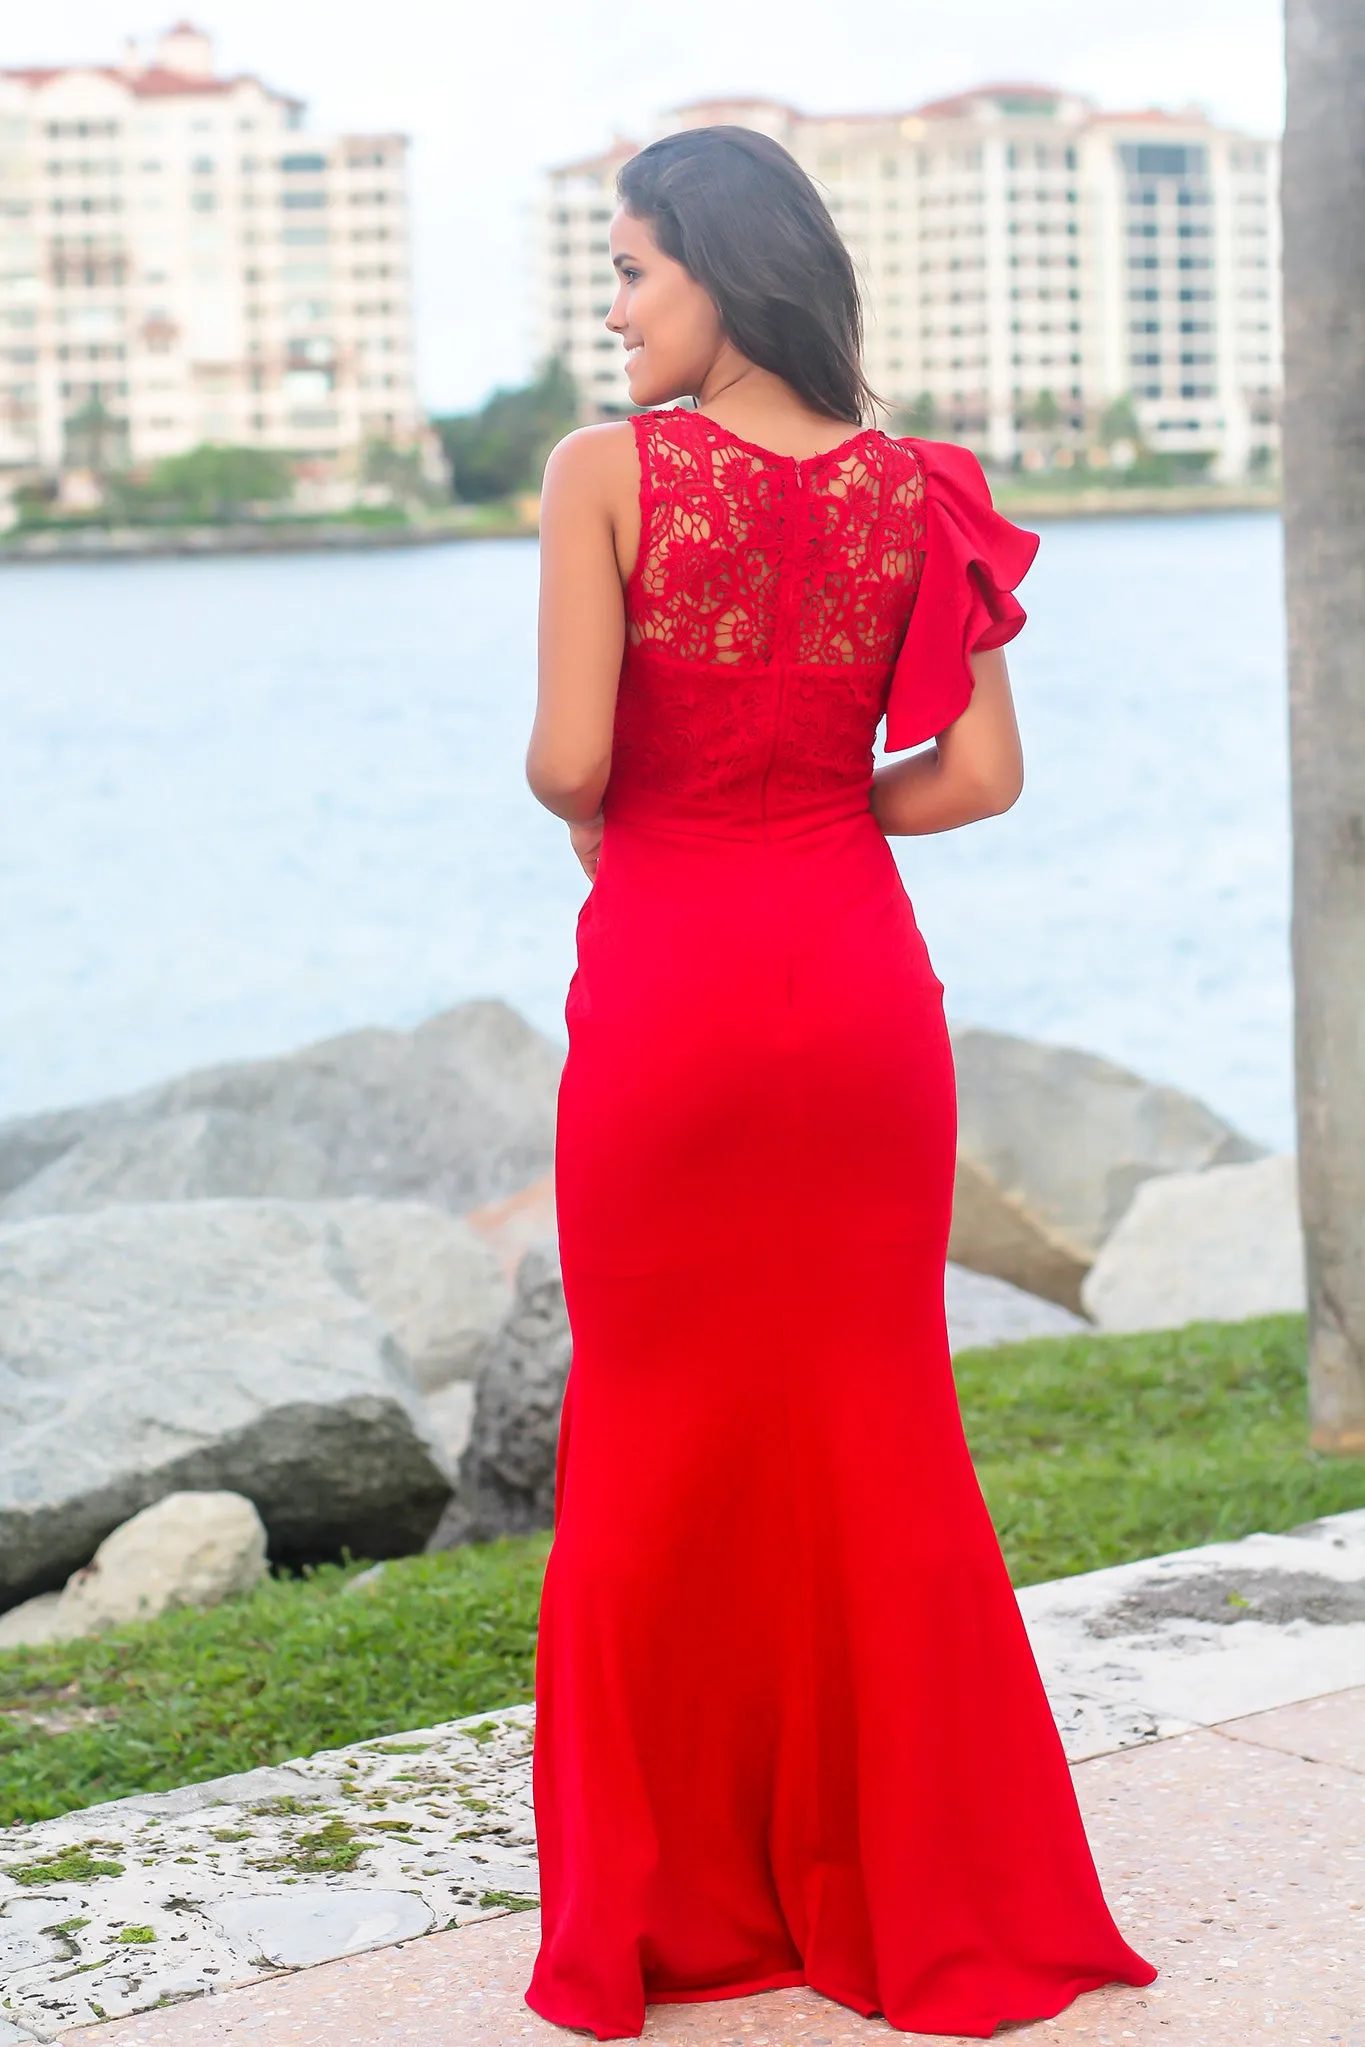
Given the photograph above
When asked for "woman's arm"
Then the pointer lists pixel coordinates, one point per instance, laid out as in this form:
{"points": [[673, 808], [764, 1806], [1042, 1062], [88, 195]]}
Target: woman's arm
{"points": [[582, 621], [975, 769]]}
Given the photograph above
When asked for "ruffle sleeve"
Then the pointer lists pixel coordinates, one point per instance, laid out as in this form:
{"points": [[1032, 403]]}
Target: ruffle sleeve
{"points": [[973, 558]]}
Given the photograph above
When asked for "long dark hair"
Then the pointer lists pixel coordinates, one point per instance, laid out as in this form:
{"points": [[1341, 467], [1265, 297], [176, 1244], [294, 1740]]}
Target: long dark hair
{"points": [[741, 216]]}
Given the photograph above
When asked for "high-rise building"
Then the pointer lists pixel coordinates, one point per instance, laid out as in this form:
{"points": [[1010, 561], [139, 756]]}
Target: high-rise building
{"points": [[1028, 260], [181, 261]]}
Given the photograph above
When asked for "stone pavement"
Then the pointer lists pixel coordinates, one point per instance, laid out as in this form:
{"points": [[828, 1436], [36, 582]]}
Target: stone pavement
{"points": [[1213, 1704], [1234, 1857]]}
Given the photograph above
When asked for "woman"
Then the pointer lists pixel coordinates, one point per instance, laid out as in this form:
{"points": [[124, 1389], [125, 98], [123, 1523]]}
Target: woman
{"points": [[789, 1729]]}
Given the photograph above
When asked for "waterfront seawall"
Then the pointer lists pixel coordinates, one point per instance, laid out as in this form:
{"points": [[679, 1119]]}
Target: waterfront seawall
{"points": [[143, 543]]}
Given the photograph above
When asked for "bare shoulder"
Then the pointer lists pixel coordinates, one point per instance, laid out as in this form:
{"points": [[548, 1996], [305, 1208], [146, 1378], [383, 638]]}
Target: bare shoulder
{"points": [[595, 461]]}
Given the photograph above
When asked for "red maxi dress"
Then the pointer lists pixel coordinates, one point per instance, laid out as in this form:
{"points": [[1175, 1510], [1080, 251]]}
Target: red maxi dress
{"points": [[789, 1728]]}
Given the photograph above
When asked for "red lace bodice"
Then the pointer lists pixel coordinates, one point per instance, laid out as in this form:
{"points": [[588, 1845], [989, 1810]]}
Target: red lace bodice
{"points": [[767, 620]]}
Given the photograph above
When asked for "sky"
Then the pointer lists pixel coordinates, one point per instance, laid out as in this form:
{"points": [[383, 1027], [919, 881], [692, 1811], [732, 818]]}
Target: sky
{"points": [[492, 94]]}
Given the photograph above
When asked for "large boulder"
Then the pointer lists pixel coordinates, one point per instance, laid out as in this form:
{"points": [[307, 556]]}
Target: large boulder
{"points": [[458, 1112], [195, 1155], [506, 1482], [1052, 1146], [984, 1311], [438, 1285], [200, 1347], [190, 1549], [509, 1226], [1219, 1246], [28, 1626]]}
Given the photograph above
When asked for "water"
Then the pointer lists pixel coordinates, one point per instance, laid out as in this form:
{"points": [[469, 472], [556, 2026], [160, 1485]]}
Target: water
{"points": [[251, 802]]}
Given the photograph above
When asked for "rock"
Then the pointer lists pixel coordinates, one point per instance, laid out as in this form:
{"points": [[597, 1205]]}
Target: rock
{"points": [[28, 1940], [506, 1482], [190, 1549], [30, 1625], [1052, 1145], [365, 1581], [315, 1925], [458, 1112], [429, 1276], [998, 1233], [524, 1218], [198, 1155], [451, 1410], [201, 1346], [983, 1311], [244, 1787], [1218, 1246]]}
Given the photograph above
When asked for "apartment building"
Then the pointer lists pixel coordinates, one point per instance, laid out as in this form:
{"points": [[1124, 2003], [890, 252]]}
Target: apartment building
{"points": [[182, 261], [1028, 260]]}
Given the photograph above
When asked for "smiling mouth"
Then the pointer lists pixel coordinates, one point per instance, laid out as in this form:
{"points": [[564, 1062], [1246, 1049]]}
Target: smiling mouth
{"points": [[635, 348]]}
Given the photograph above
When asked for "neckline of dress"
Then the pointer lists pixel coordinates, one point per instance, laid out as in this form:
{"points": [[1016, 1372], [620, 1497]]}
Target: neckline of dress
{"points": [[771, 454]]}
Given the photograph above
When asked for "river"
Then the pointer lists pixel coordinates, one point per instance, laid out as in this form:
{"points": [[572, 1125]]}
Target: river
{"points": [[249, 802]]}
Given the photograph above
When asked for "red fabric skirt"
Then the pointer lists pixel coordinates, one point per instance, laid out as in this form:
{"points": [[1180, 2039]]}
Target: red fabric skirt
{"points": [[789, 1726]]}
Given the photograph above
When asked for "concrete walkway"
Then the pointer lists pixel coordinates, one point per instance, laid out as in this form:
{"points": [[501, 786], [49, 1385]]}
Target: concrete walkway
{"points": [[1212, 1704], [1234, 1857]]}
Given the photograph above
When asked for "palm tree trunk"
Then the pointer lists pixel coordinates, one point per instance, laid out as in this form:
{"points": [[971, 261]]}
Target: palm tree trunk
{"points": [[1324, 516]]}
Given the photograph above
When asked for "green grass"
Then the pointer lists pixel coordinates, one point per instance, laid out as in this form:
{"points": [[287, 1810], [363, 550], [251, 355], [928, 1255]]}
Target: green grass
{"points": [[1094, 1450], [296, 1665], [1091, 1450]]}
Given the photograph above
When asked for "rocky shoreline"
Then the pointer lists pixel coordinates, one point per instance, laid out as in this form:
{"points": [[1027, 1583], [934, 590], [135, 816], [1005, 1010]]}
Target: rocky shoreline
{"points": [[328, 1283]]}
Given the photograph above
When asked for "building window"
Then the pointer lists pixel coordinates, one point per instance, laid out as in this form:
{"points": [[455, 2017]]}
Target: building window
{"points": [[1164, 159]]}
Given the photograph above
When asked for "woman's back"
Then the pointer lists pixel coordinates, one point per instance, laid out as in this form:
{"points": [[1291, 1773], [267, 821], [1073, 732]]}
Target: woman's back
{"points": [[762, 623], [769, 598], [773, 616]]}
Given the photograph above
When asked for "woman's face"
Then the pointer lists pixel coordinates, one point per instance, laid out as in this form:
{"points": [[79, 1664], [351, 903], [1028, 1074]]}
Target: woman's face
{"points": [[667, 320]]}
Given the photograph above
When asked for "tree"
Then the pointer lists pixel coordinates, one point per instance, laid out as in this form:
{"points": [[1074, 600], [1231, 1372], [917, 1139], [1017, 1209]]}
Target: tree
{"points": [[920, 419], [503, 447], [1324, 515], [1045, 413], [402, 472], [214, 481], [1119, 422]]}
